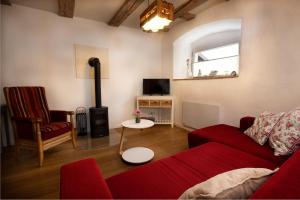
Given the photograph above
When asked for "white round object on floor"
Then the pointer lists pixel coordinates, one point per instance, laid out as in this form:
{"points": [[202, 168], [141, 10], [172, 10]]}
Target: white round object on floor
{"points": [[138, 155]]}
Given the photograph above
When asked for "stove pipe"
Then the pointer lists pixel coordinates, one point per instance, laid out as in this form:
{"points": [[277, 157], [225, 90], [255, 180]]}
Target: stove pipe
{"points": [[95, 62]]}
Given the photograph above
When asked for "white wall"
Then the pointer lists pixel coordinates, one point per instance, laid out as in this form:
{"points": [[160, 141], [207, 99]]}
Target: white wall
{"points": [[38, 50], [269, 65]]}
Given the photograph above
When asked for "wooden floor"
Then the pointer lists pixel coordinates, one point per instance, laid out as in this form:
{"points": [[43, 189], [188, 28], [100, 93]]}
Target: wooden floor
{"points": [[22, 178]]}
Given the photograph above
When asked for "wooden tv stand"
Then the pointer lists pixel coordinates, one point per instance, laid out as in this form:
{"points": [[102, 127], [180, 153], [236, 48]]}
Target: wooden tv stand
{"points": [[161, 108]]}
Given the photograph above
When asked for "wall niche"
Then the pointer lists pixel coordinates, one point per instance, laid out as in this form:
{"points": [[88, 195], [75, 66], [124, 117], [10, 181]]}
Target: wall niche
{"points": [[209, 51]]}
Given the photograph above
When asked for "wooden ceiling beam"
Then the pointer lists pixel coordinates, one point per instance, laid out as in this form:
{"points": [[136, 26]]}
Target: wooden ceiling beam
{"points": [[188, 16], [66, 8], [6, 2], [124, 11], [183, 10]]}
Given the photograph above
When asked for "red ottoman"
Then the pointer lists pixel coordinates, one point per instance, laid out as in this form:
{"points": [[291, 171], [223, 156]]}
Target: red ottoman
{"points": [[88, 175]]}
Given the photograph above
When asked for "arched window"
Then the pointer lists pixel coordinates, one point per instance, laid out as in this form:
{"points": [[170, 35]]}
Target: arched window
{"points": [[208, 51]]}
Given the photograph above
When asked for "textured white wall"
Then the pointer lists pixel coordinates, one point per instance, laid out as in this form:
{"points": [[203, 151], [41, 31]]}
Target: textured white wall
{"points": [[38, 50], [269, 65]]}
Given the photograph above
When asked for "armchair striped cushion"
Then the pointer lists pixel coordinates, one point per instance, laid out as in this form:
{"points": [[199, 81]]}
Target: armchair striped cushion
{"points": [[28, 102]]}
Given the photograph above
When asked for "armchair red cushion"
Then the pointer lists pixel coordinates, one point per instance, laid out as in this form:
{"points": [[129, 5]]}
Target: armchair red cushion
{"points": [[55, 129]]}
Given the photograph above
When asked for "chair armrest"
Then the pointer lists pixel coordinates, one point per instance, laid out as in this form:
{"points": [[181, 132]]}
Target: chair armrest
{"points": [[83, 180], [246, 122], [60, 115], [70, 112], [29, 120]]}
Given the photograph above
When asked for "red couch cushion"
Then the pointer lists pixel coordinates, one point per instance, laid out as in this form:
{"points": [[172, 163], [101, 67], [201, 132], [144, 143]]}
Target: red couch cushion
{"points": [[83, 180], [232, 136], [284, 184], [54, 129], [170, 177]]}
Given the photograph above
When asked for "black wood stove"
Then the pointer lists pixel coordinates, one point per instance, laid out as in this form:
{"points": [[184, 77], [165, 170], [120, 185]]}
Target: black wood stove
{"points": [[98, 114]]}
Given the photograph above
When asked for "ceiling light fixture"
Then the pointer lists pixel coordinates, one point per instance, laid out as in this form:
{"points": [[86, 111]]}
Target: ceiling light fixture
{"points": [[157, 16]]}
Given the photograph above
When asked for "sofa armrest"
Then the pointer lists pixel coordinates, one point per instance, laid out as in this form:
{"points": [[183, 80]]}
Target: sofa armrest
{"points": [[58, 115], [83, 180], [246, 122], [284, 184]]}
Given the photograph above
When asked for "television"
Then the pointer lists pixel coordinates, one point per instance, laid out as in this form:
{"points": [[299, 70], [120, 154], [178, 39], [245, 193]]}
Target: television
{"points": [[156, 86]]}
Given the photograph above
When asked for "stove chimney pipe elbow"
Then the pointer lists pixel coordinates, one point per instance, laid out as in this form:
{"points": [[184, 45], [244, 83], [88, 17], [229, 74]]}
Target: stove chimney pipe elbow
{"points": [[93, 62]]}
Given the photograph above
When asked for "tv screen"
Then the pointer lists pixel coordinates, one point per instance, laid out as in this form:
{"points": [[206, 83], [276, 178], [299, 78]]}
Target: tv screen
{"points": [[156, 86]]}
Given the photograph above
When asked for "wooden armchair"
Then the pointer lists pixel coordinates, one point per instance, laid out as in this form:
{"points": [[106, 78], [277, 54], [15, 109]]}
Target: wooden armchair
{"points": [[35, 126]]}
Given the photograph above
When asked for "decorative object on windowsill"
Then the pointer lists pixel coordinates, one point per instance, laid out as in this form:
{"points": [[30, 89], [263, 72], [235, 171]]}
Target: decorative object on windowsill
{"points": [[81, 121], [199, 72], [200, 59], [233, 73], [189, 68], [157, 16], [213, 73], [137, 114]]}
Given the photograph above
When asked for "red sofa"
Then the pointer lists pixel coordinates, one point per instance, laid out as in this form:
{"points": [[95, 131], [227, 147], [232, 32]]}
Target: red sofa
{"points": [[216, 149], [234, 137]]}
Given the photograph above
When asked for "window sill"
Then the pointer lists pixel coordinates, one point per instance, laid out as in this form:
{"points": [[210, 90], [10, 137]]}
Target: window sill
{"points": [[206, 78]]}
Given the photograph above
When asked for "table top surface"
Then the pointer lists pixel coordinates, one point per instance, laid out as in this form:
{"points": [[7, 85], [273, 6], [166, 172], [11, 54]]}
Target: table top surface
{"points": [[138, 155], [143, 124]]}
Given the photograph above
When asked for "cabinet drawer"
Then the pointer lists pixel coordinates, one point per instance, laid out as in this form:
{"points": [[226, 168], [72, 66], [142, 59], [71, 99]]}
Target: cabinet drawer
{"points": [[143, 102], [154, 103], [166, 103]]}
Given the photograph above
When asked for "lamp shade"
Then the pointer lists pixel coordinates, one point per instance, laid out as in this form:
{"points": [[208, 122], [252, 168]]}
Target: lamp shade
{"points": [[157, 16]]}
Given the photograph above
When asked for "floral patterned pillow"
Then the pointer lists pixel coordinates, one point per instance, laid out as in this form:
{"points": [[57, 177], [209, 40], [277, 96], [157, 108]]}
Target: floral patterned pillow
{"points": [[285, 137], [263, 125]]}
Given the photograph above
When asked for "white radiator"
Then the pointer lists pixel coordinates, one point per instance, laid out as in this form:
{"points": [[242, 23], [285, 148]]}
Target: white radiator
{"points": [[199, 115]]}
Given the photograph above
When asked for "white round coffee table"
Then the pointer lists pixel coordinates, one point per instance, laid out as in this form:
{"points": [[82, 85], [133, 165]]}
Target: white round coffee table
{"points": [[136, 155]]}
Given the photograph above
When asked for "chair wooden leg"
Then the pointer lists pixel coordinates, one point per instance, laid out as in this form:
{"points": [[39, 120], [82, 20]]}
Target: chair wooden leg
{"points": [[40, 145], [74, 142], [73, 135], [41, 157]]}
